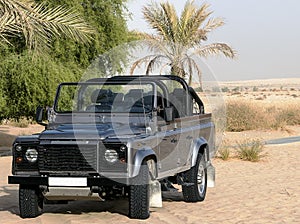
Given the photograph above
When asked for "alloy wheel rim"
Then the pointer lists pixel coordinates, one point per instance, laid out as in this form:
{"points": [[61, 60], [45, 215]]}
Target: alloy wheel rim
{"points": [[201, 180]]}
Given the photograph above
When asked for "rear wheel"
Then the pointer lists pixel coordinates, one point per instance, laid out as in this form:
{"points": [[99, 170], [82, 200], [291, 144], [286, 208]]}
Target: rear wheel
{"points": [[139, 194], [30, 201], [196, 181]]}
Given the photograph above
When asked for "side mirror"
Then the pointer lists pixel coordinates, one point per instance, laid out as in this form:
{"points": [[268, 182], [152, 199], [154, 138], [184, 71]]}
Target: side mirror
{"points": [[39, 115], [169, 114]]}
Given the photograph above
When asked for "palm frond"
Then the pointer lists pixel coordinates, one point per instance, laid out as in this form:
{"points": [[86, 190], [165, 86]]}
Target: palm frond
{"points": [[161, 18], [212, 24], [150, 61], [152, 16], [62, 20], [157, 45], [154, 61], [193, 66], [215, 49], [38, 23], [170, 20], [191, 21]]}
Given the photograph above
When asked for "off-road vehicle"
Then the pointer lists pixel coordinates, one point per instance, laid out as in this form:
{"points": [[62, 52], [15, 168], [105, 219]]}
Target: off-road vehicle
{"points": [[125, 136]]}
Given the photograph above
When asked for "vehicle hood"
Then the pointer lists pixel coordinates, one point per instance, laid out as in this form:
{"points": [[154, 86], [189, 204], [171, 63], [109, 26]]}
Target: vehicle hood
{"points": [[96, 131]]}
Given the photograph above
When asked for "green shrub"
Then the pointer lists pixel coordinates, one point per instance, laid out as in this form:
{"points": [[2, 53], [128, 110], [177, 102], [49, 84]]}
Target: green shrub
{"points": [[236, 89], [29, 82], [250, 150], [225, 89], [224, 153]]}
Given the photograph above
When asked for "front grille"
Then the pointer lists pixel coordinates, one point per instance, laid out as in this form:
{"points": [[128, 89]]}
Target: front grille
{"points": [[68, 158]]}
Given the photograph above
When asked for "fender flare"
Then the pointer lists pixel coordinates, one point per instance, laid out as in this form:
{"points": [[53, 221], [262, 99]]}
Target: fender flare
{"points": [[197, 145], [139, 156]]}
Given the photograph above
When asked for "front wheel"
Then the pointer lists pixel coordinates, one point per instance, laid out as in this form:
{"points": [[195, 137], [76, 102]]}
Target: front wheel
{"points": [[30, 201], [194, 189], [139, 194]]}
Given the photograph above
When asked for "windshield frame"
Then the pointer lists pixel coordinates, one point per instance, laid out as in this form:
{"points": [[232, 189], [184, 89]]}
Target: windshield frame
{"points": [[81, 88]]}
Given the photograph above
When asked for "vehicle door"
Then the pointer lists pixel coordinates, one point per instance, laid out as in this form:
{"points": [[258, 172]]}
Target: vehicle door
{"points": [[167, 140], [181, 100]]}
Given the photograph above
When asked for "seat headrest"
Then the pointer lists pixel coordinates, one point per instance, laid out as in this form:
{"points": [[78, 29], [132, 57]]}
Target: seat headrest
{"points": [[101, 96], [119, 97], [148, 100], [136, 92]]}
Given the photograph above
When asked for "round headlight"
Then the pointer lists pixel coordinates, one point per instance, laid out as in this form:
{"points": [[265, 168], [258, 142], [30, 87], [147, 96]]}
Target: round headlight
{"points": [[31, 155], [111, 155]]}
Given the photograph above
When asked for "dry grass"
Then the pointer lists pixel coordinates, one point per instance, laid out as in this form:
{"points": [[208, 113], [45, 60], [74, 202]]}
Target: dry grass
{"points": [[247, 150], [250, 150], [21, 123], [224, 152], [243, 115]]}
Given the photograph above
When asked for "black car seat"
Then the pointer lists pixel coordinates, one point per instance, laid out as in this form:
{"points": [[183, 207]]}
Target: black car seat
{"points": [[101, 101]]}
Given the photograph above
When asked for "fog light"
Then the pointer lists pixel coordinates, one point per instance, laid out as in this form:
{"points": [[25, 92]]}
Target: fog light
{"points": [[31, 155], [19, 160], [111, 156]]}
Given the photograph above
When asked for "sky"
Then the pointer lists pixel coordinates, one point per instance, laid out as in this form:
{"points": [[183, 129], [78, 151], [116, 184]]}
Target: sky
{"points": [[265, 34]]}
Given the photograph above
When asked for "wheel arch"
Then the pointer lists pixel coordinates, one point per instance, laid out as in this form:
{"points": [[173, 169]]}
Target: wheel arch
{"points": [[200, 145], [144, 154]]}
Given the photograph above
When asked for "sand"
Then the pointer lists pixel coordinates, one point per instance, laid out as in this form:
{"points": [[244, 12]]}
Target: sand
{"points": [[245, 192]]}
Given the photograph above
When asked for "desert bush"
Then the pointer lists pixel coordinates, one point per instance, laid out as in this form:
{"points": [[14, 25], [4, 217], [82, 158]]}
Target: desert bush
{"points": [[242, 116], [236, 89], [21, 123], [289, 115], [246, 115], [224, 153], [250, 150], [225, 89], [198, 89]]}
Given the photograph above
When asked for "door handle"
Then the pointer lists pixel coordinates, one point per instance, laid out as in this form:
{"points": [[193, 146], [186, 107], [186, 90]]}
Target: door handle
{"points": [[173, 140], [189, 137]]}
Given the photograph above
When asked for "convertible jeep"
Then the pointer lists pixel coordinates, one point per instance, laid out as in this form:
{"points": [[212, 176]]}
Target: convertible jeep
{"points": [[125, 136]]}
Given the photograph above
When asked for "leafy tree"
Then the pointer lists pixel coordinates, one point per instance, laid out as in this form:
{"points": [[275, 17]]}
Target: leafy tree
{"points": [[107, 17], [179, 39], [27, 81]]}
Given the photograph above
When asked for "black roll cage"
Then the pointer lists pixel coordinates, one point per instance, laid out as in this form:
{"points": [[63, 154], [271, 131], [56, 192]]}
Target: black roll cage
{"points": [[138, 80]]}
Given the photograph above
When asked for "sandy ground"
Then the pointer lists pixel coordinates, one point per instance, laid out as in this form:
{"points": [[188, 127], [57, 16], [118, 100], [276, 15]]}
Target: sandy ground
{"points": [[8, 134], [245, 192]]}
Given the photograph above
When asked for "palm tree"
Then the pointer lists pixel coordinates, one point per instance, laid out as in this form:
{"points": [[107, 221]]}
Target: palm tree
{"points": [[179, 39], [38, 23]]}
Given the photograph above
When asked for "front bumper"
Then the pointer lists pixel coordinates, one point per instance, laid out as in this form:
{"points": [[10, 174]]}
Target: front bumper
{"points": [[63, 181]]}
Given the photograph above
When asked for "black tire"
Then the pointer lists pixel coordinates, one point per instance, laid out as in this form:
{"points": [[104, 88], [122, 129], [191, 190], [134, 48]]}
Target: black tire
{"points": [[30, 201], [139, 195], [196, 179]]}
